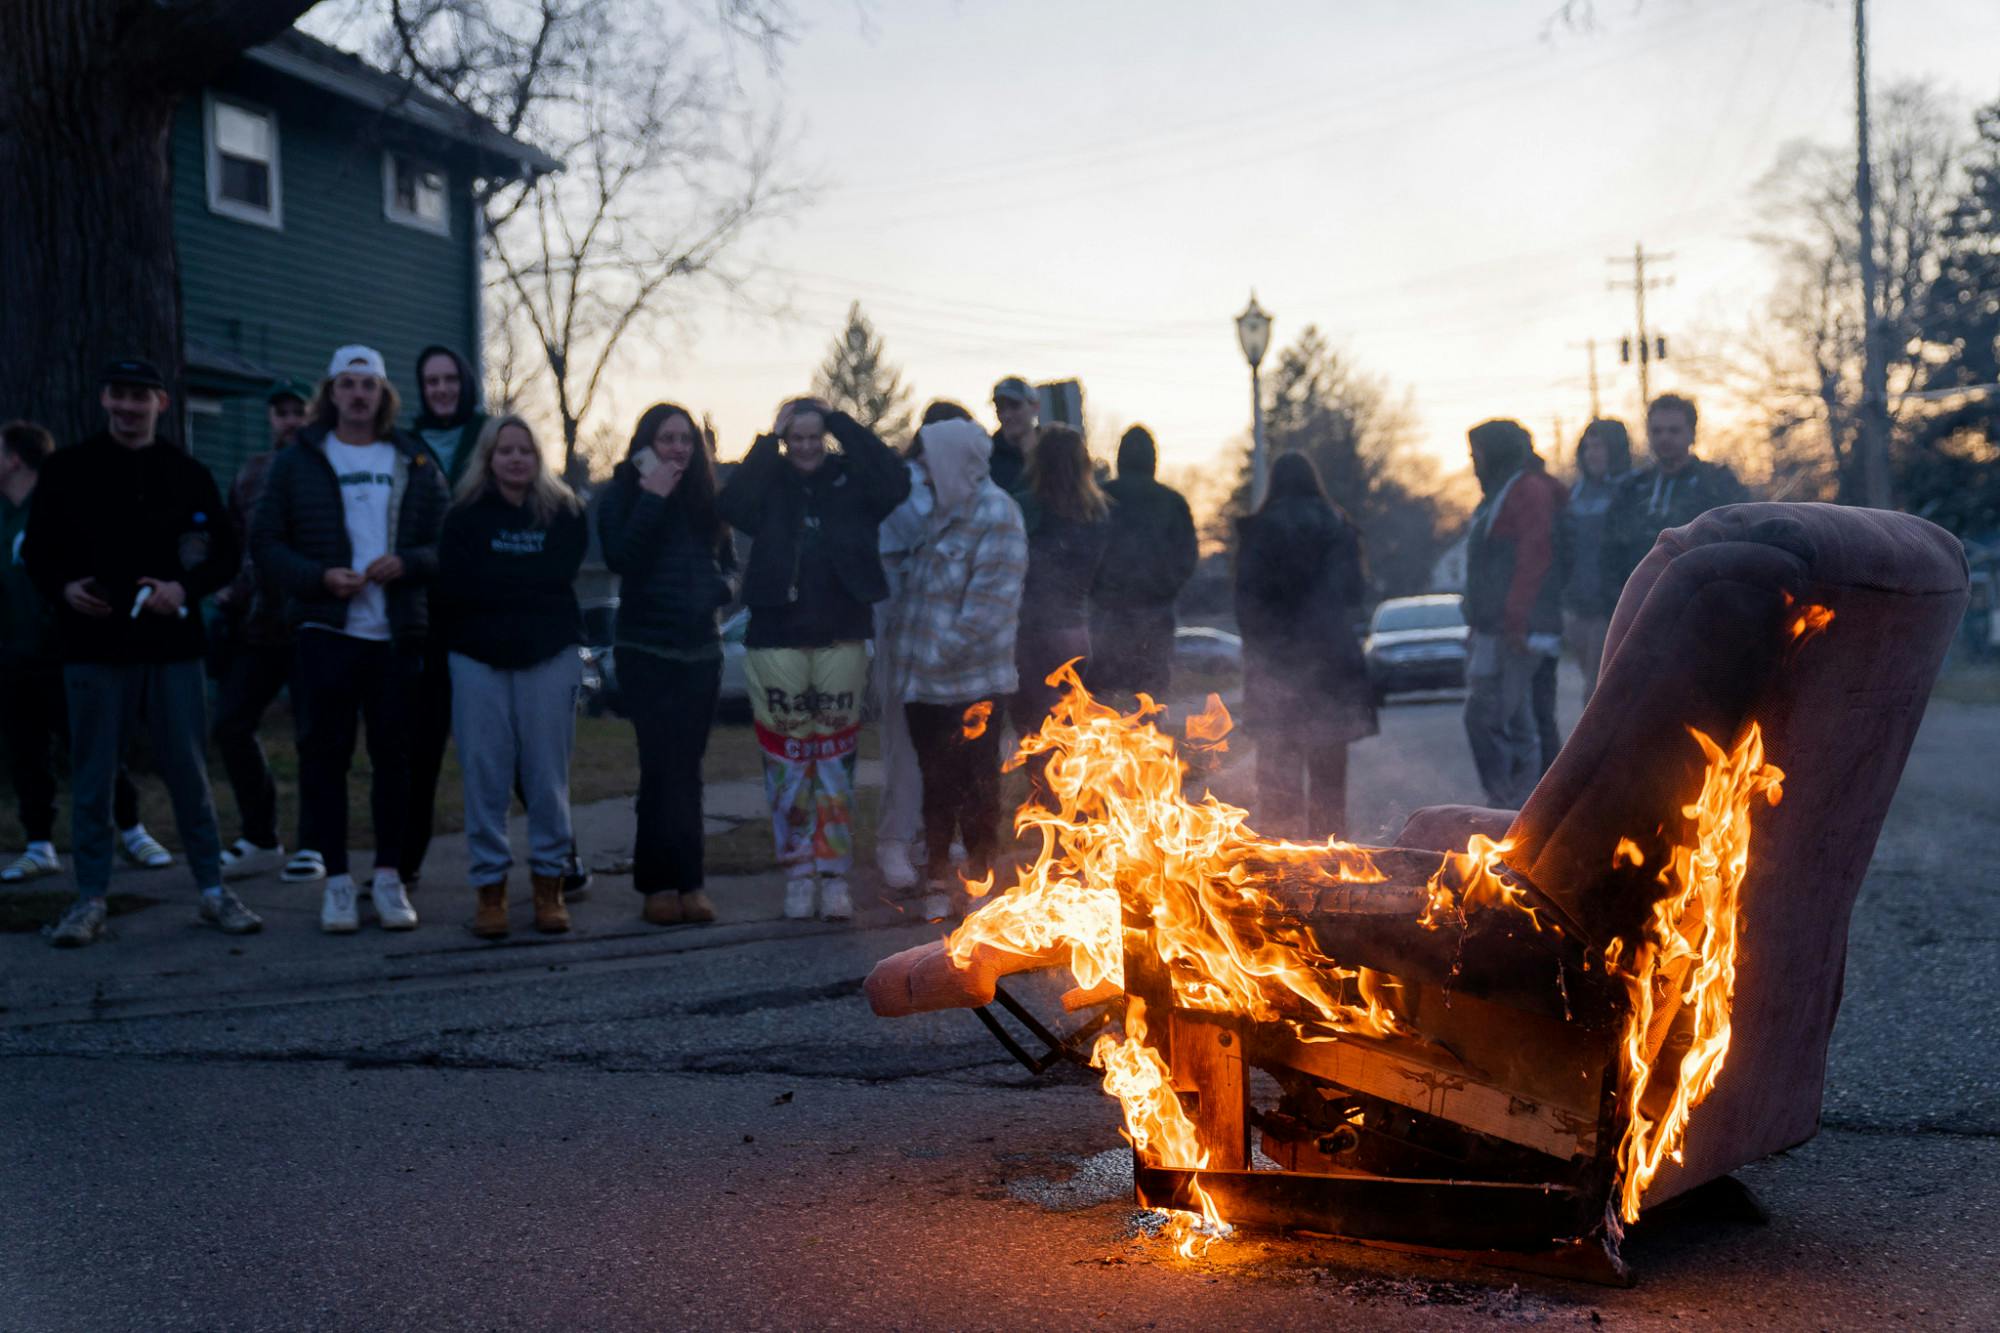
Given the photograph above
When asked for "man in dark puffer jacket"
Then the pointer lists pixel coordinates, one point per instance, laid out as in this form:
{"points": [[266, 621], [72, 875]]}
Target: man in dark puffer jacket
{"points": [[348, 530], [1152, 554]]}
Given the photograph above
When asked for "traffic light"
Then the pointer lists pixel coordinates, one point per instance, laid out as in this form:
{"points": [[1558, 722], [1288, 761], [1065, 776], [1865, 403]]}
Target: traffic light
{"points": [[1660, 348], [1625, 351]]}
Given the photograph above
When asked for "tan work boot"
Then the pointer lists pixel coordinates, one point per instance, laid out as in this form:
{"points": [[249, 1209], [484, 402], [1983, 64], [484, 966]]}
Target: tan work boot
{"points": [[696, 907], [662, 909], [551, 914], [490, 922]]}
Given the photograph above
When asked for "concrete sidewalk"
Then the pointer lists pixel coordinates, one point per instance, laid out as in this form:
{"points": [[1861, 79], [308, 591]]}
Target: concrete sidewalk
{"points": [[157, 957]]}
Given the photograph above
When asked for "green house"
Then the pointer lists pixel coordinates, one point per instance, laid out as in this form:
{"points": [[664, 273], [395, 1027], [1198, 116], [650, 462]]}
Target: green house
{"points": [[319, 201]]}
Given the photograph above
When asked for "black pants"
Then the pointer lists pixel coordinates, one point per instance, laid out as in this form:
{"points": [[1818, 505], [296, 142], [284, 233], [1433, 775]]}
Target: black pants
{"points": [[34, 715], [1542, 697], [961, 782], [252, 676], [1302, 787], [672, 706], [1132, 649], [430, 732], [344, 682]]}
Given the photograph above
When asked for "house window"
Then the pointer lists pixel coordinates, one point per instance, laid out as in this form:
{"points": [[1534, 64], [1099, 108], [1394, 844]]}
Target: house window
{"points": [[413, 193], [243, 162], [202, 419]]}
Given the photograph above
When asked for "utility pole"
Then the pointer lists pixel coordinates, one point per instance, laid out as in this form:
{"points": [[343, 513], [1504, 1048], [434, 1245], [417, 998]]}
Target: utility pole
{"points": [[1590, 345], [1648, 350], [1874, 436]]}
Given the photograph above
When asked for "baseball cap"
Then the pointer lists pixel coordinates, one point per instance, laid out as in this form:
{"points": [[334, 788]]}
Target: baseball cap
{"points": [[133, 370], [1016, 389], [354, 359], [298, 389]]}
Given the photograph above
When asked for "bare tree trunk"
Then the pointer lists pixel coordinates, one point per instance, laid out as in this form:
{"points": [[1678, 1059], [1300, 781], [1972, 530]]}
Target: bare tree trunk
{"points": [[87, 264]]}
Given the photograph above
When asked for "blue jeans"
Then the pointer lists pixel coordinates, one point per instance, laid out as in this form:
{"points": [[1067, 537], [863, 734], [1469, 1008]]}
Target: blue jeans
{"points": [[107, 704], [508, 722]]}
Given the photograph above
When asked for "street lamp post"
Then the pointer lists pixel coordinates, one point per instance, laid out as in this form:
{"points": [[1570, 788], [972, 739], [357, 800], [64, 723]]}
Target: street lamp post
{"points": [[1253, 333]]}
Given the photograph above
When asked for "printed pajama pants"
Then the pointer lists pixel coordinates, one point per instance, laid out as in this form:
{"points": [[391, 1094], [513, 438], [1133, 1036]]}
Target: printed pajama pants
{"points": [[807, 705]]}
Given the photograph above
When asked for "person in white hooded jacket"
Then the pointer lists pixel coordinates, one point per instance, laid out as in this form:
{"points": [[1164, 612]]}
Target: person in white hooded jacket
{"points": [[955, 623]]}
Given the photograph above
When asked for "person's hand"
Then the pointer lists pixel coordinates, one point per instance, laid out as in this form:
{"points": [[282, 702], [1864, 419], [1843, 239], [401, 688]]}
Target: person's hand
{"points": [[661, 480], [384, 569], [343, 583], [83, 599], [1516, 641], [168, 599]]}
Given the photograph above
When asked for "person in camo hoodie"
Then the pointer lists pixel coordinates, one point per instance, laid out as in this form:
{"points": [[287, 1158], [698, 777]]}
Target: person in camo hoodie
{"points": [[954, 627], [507, 563]]}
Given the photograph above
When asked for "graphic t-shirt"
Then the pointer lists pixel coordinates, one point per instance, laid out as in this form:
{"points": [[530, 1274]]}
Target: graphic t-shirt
{"points": [[367, 476]]}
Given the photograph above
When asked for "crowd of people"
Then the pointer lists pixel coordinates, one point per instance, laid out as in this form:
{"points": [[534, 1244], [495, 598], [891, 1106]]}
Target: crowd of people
{"points": [[418, 585], [1546, 562]]}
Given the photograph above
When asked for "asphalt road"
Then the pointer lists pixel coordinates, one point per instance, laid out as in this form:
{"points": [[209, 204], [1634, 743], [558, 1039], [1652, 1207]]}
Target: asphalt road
{"points": [[631, 1128]]}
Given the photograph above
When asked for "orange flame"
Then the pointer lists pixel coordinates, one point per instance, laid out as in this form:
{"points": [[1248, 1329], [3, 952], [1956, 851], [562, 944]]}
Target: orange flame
{"points": [[976, 718], [1812, 619], [1682, 972], [1482, 880], [1206, 730]]}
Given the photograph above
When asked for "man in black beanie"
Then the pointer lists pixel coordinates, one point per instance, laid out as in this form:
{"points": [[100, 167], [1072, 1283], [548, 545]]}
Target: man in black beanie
{"points": [[1150, 557]]}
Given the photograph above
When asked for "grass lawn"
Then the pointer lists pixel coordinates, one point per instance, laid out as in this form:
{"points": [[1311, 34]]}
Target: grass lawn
{"points": [[605, 765]]}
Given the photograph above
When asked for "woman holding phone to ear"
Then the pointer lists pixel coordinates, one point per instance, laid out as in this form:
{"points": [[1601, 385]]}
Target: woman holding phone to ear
{"points": [[664, 538]]}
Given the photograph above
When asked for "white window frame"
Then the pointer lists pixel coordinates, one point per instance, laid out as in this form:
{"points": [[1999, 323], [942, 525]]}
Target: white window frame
{"points": [[273, 217], [402, 217], [197, 408]]}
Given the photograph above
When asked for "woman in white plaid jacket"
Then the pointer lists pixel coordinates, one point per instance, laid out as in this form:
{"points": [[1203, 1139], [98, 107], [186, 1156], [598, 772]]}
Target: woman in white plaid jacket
{"points": [[955, 622]]}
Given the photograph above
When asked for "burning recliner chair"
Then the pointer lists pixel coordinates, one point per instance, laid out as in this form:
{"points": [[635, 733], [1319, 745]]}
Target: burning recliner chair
{"points": [[1500, 1037]]}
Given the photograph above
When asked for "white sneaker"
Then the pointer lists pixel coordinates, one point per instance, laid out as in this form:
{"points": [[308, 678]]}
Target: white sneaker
{"points": [[800, 890], [937, 905], [40, 859], [392, 904], [244, 858], [304, 867], [337, 914], [143, 849], [834, 904], [892, 858]]}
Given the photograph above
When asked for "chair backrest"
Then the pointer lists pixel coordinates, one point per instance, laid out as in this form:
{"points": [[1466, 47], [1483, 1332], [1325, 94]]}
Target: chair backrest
{"points": [[1700, 639]]}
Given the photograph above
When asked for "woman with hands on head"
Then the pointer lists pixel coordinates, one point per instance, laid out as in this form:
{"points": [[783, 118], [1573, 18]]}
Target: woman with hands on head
{"points": [[663, 537], [815, 569]]}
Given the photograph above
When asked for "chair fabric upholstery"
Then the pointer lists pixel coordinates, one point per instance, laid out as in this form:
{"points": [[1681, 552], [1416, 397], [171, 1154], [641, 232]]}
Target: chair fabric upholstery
{"points": [[1700, 639]]}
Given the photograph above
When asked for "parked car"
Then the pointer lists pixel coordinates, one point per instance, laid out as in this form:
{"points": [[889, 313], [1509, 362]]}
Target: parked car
{"points": [[602, 692], [1201, 650], [1417, 643]]}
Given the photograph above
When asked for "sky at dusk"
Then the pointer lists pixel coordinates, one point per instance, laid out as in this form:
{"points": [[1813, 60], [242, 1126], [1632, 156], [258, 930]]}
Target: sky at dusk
{"points": [[1092, 190], [1063, 190]]}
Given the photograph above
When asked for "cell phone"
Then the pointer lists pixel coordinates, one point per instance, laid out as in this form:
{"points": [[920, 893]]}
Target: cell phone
{"points": [[647, 462]]}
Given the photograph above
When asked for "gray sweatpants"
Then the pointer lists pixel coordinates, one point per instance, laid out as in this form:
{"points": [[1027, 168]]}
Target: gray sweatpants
{"points": [[107, 704], [509, 722], [1500, 719]]}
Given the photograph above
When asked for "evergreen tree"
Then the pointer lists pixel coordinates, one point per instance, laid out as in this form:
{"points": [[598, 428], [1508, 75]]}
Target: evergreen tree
{"points": [[857, 379], [1361, 442]]}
